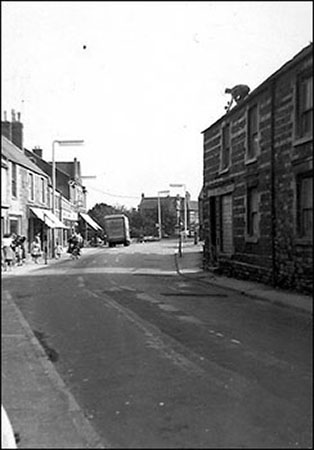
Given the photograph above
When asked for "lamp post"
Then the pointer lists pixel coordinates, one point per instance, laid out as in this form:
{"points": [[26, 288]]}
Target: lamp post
{"points": [[185, 206], [68, 143], [159, 212]]}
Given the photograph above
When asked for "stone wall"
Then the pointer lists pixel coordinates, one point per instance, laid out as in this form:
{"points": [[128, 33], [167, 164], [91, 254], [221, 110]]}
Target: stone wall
{"points": [[277, 255]]}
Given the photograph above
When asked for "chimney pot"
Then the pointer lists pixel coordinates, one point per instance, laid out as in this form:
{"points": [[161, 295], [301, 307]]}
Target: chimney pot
{"points": [[38, 151]]}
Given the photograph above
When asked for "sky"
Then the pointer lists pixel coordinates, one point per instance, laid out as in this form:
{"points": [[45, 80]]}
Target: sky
{"points": [[138, 82]]}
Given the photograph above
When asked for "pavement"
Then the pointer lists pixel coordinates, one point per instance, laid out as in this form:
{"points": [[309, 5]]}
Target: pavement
{"points": [[38, 406], [190, 265]]}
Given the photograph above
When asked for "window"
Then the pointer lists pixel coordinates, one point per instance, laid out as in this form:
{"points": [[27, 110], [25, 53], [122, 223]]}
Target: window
{"points": [[14, 180], [31, 187], [252, 212], [48, 197], [14, 226], [305, 206], [43, 191], [252, 133], [225, 151], [305, 107], [4, 181]]}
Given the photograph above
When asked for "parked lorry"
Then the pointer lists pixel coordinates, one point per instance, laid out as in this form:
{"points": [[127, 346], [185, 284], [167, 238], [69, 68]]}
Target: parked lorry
{"points": [[117, 229]]}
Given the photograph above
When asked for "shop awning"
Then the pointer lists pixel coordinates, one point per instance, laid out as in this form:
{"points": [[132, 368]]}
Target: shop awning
{"points": [[48, 218], [90, 222]]}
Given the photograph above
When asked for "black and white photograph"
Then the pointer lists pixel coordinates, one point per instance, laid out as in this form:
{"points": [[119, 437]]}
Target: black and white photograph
{"points": [[157, 224]]}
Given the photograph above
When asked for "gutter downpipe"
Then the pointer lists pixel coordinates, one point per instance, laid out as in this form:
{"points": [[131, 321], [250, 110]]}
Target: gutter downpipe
{"points": [[273, 190]]}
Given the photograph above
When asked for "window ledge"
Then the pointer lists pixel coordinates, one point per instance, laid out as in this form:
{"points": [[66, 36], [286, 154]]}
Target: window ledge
{"points": [[250, 161], [251, 239], [304, 241], [226, 170], [225, 254], [302, 140]]}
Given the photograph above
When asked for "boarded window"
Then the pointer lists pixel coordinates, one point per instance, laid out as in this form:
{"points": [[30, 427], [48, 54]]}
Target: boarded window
{"points": [[305, 106], [252, 212], [252, 133], [225, 153], [305, 206], [226, 224]]}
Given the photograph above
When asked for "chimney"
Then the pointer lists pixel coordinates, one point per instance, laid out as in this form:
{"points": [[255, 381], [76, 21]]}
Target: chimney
{"points": [[77, 170], [6, 129], [38, 151], [17, 130]]}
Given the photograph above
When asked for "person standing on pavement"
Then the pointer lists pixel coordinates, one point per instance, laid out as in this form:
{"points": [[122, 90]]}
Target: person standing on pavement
{"points": [[36, 249], [23, 251], [58, 250], [8, 251]]}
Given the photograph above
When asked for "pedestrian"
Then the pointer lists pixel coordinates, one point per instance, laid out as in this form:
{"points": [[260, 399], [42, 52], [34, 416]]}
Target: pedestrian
{"points": [[36, 250], [19, 249], [80, 240], [8, 252], [38, 237], [14, 245], [58, 250], [23, 251]]}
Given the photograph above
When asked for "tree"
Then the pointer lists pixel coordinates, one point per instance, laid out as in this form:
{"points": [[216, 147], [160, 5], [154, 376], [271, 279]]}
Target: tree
{"points": [[168, 216]]}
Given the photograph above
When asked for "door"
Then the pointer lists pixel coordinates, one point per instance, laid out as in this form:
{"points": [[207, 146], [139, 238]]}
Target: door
{"points": [[212, 229], [226, 224]]}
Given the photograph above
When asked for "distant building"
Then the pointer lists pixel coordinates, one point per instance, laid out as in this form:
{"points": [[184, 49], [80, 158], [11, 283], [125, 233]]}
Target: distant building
{"points": [[257, 196], [172, 210]]}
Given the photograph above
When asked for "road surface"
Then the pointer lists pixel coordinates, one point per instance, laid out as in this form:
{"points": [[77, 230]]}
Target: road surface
{"points": [[158, 361]]}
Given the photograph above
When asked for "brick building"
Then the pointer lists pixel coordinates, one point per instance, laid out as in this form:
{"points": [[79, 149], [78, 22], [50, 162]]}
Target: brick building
{"points": [[258, 182]]}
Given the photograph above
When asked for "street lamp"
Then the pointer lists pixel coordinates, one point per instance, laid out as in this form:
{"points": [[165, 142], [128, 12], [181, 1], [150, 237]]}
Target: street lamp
{"points": [[69, 143], [185, 206], [159, 212]]}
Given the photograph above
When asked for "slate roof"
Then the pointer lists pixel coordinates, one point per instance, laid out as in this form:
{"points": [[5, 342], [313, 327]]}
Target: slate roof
{"points": [[44, 165], [149, 203], [14, 154]]}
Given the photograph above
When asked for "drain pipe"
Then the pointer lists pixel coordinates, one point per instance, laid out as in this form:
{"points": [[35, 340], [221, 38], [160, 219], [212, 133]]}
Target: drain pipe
{"points": [[272, 183]]}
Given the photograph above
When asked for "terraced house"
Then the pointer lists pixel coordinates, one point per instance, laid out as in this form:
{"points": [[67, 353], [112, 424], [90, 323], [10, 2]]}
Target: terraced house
{"points": [[26, 192], [24, 186], [257, 196]]}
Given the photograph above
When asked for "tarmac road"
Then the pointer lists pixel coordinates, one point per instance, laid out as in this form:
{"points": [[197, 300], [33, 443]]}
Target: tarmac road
{"points": [[155, 360]]}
